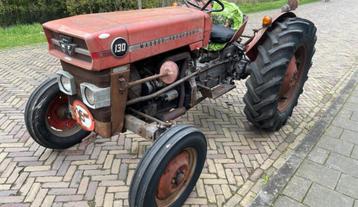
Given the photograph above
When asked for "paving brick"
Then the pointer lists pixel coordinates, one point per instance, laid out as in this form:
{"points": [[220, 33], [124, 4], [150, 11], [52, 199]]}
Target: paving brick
{"points": [[48, 201], [333, 131], [77, 204], [36, 168], [49, 179], [348, 185], [118, 189], [27, 185], [318, 173], [100, 193], [82, 189], [7, 193], [70, 172], [284, 201], [76, 178], [350, 136], [56, 185], [67, 198], [346, 124], [233, 201], [16, 204], [33, 192], [319, 196], [39, 198], [318, 155], [108, 200], [91, 191], [344, 164], [11, 199], [297, 188], [336, 145], [5, 187], [62, 191]]}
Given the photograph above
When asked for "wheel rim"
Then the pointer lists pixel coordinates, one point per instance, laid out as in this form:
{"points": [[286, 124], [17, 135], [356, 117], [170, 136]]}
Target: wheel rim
{"points": [[292, 79], [58, 117], [176, 177]]}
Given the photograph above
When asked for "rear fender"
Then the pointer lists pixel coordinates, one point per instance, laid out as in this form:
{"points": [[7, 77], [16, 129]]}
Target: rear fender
{"points": [[251, 46]]}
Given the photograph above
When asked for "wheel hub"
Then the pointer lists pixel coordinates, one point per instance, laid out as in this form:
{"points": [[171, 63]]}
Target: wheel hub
{"points": [[179, 178], [58, 115], [291, 81], [174, 176]]}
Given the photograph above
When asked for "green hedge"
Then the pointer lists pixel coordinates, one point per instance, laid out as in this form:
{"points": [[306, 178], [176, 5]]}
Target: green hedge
{"points": [[29, 11], [74, 7]]}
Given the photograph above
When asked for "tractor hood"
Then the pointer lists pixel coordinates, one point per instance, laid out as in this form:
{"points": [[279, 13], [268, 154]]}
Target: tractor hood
{"points": [[106, 40]]}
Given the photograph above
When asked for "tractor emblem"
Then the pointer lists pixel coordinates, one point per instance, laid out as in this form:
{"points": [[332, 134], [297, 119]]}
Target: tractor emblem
{"points": [[67, 46]]}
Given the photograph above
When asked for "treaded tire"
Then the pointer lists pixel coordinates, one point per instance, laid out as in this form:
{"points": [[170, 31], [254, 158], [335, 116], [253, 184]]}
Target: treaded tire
{"points": [[35, 118], [145, 182], [268, 71]]}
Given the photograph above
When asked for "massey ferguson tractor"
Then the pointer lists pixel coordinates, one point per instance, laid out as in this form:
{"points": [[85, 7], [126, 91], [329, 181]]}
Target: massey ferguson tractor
{"points": [[140, 70]]}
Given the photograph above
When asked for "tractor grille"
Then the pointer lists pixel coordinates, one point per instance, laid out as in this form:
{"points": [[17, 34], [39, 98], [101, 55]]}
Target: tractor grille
{"points": [[71, 46]]}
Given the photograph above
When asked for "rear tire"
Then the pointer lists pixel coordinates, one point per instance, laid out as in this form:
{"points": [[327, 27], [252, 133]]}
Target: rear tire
{"points": [[169, 169], [43, 121], [279, 72]]}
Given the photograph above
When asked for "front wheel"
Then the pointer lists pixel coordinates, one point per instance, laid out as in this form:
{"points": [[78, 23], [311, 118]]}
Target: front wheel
{"points": [[48, 119], [170, 169], [279, 72]]}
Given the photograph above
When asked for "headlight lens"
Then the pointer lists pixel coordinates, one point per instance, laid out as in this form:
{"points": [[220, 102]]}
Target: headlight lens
{"points": [[66, 83], [89, 96], [95, 97]]}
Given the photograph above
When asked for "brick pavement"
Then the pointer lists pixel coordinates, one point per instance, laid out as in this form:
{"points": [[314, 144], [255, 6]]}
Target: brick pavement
{"points": [[328, 175], [98, 171], [308, 165]]}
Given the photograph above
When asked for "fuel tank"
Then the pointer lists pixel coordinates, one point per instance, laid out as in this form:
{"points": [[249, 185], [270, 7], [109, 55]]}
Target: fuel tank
{"points": [[106, 40]]}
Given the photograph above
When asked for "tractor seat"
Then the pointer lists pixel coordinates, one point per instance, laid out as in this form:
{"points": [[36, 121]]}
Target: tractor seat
{"points": [[221, 34]]}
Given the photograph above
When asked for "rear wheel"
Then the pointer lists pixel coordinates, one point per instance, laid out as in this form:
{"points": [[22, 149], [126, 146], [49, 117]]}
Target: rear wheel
{"points": [[279, 72], [169, 170], [48, 119]]}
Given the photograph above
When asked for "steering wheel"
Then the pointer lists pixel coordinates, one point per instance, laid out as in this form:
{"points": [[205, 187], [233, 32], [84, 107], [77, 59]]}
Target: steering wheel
{"points": [[195, 4]]}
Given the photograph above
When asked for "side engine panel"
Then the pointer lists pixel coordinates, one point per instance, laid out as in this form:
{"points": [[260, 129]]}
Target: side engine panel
{"points": [[163, 106]]}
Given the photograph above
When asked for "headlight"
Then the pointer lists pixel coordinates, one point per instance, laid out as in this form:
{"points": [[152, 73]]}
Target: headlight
{"points": [[66, 82], [89, 96], [95, 97]]}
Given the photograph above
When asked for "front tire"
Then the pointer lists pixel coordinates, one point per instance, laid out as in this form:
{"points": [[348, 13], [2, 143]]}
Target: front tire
{"points": [[48, 120], [170, 169], [279, 72]]}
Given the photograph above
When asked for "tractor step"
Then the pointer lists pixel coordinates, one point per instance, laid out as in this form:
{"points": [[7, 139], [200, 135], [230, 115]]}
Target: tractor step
{"points": [[216, 91]]}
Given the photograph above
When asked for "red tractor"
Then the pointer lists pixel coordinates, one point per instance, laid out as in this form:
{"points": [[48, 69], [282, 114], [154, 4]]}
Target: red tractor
{"points": [[140, 70]]}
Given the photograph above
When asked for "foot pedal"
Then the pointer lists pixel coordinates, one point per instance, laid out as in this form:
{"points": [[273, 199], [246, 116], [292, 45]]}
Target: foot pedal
{"points": [[216, 91]]}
